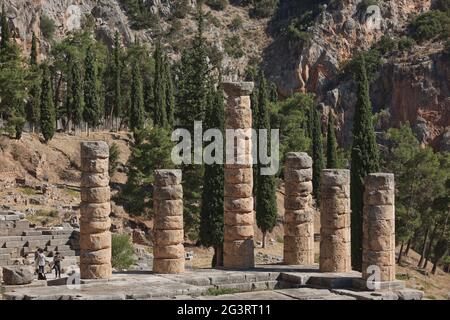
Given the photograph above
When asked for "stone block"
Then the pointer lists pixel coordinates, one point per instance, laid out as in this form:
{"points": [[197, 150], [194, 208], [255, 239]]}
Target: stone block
{"points": [[238, 204], [169, 266], [94, 165]]}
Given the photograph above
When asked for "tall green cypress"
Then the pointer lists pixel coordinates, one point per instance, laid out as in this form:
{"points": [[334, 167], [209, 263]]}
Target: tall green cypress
{"points": [[159, 89], [317, 153], [5, 29], [33, 54], [266, 202], [76, 102], [137, 99], [117, 108], [331, 143], [91, 111], [169, 92], [365, 159], [34, 93], [211, 214], [48, 121], [273, 92]]}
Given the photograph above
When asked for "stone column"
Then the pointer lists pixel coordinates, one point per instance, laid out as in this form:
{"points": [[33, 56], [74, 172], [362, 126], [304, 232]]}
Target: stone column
{"points": [[168, 249], [95, 237], [335, 255], [379, 226], [238, 202], [298, 214]]}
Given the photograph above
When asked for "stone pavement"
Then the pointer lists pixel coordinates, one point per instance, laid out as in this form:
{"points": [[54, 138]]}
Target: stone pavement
{"points": [[268, 282]]}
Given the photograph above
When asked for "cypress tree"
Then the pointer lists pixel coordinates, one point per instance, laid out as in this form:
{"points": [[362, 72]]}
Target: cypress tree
{"points": [[266, 204], [331, 143], [159, 89], [317, 153], [117, 108], [169, 93], [273, 92], [137, 99], [5, 29], [76, 99], [211, 214], [33, 54], [91, 111], [47, 107], [365, 159], [33, 103]]}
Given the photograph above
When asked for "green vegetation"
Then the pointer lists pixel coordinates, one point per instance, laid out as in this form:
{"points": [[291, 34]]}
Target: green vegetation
{"points": [[430, 25], [122, 251], [114, 154], [364, 159], [263, 8], [47, 27], [233, 47], [331, 143], [28, 191], [217, 4]]}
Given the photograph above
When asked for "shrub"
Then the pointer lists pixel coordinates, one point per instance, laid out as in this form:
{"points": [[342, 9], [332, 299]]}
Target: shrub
{"points": [[47, 27], [264, 8], [233, 47], [236, 24], [122, 251], [219, 292], [406, 43], [182, 8], [430, 25], [217, 4], [386, 45]]}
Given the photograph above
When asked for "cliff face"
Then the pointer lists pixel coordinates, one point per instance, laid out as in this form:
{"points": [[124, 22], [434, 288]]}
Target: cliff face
{"points": [[412, 86]]}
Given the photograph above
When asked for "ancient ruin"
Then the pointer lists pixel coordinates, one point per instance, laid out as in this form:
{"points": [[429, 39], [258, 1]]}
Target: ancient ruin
{"points": [[379, 227], [168, 249], [335, 255], [238, 202], [95, 237], [298, 215]]}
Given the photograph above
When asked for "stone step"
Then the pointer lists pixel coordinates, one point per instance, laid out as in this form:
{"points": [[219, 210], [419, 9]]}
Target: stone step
{"points": [[32, 233]]}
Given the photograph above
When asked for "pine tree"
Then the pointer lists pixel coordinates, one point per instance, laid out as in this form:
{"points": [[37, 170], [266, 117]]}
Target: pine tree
{"points": [[317, 153], [91, 111], [5, 29], [33, 54], [169, 93], [266, 204], [47, 106], [137, 100], [365, 159], [159, 89], [211, 214], [117, 108], [331, 143]]}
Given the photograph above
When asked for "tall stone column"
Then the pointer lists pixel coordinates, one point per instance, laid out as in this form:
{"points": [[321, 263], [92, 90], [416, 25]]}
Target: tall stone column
{"points": [[95, 237], [238, 202], [298, 214], [335, 255], [379, 227], [168, 249]]}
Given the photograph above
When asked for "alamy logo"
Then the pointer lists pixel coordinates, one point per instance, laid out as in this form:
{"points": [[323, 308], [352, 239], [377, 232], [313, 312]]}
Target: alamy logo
{"points": [[242, 147]]}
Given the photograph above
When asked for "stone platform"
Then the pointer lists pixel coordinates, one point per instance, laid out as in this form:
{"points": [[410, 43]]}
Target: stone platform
{"points": [[270, 282]]}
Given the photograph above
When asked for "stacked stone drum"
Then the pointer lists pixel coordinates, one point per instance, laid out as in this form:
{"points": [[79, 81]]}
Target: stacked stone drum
{"points": [[298, 214], [95, 237], [238, 201], [168, 250], [335, 254], [379, 226]]}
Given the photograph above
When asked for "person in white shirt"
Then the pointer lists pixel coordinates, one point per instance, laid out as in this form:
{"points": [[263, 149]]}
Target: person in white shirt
{"points": [[41, 264]]}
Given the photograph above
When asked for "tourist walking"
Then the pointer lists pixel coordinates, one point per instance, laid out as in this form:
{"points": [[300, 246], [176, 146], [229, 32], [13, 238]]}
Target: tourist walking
{"points": [[57, 264]]}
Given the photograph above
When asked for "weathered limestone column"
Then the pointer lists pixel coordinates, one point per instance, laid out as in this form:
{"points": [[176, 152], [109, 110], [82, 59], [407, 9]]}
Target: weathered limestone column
{"points": [[335, 255], [95, 237], [168, 249], [298, 214], [238, 202], [379, 226]]}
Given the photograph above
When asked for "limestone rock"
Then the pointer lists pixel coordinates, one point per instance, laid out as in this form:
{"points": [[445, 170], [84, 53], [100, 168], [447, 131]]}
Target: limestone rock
{"points": [[17, 275]]}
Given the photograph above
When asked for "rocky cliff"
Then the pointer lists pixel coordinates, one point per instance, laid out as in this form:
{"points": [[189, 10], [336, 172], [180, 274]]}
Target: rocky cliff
{"points": [[411, 86]]}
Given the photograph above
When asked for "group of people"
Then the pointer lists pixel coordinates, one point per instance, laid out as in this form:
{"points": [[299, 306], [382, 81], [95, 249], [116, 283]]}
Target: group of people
{"points": [[40, 261]]}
